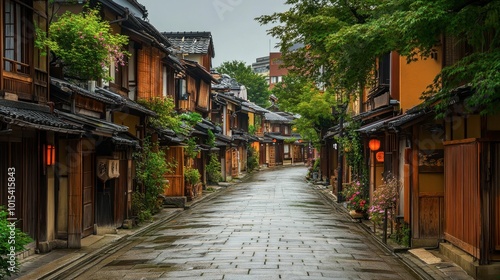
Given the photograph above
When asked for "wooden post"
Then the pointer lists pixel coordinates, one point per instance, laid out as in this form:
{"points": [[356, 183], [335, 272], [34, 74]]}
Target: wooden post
{"points": [[414, 188], [484, 198], [2, 86], [75, 206], [384, 235]]}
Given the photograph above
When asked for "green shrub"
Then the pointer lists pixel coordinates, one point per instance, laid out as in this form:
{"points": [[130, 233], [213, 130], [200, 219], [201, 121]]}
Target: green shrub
{"points": [[10, 245], [403, 235], [316, 165], [139, 208], [144, 216], [86, 44], [192, 175], [151, 167], [252, 159], [191, 151], [214, 169]]}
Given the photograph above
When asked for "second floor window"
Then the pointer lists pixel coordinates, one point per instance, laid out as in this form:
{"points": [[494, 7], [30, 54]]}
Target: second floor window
{"points": [[16, 33], [165, 79], [385, 70], [182, 90]]}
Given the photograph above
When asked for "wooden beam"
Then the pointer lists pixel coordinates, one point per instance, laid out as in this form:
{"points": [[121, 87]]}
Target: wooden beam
{"points": [[74, 150], [414, 189], [2, 72]]}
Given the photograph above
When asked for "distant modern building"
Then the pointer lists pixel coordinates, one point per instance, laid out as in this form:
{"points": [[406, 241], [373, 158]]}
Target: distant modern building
{"points": [[261, 67], [270, 67], [276, 72]]}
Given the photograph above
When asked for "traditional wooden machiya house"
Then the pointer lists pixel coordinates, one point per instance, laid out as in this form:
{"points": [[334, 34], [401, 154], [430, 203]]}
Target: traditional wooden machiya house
{"points": [[151, 74], [29, 125], [94, 169], [471, 200], [256, 122], [240, 120], [276, 140], [95, 175], [194, 51], [398, 139], [231, 120], [293, 148]]}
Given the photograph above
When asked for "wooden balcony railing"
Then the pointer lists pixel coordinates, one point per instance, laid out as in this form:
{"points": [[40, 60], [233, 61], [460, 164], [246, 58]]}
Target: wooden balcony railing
{"points": [[16, 66], [18, 79]]}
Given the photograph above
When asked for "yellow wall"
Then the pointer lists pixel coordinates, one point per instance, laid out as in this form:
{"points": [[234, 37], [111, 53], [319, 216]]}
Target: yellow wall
{"points": [[430, 140], [431, 182], [251, 119], [458, 128], [474, 126], [493, 122], [127, 120], [415, 77]]}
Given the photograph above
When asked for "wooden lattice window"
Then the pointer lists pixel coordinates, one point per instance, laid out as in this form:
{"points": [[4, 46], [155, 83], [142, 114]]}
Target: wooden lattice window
{"points": [[17, 19]]}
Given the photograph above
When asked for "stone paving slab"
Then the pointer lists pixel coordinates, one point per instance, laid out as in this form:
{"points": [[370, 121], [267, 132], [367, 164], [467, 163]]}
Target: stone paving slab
{"points": [[425, 256], [277, 228]]}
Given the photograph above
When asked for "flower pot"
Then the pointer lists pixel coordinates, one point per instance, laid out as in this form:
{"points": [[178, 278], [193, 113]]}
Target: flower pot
{"points": [[357, 214]]}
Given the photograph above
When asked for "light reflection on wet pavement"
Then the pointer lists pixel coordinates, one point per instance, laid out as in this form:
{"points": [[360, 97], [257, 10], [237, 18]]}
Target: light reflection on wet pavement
{"points": [[273, 226]]}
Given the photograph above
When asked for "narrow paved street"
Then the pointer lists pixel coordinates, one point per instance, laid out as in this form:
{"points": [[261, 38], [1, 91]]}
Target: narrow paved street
{"points": [[272, 226]]}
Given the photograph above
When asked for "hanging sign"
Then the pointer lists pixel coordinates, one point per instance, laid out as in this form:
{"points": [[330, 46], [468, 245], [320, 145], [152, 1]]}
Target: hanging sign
{"points": [[107, 169]]}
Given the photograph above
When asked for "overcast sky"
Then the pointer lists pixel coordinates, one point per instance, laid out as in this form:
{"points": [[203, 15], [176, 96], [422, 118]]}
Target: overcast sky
{"points": [[236, 35]]}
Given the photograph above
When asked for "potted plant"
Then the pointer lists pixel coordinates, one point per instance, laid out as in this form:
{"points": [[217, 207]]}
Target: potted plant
{"points": [[192, 178], [385, 198], [355, 200]]}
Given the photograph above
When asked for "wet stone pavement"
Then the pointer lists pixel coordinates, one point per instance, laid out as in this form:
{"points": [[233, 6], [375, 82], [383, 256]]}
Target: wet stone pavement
{"points": [[272, 226]]}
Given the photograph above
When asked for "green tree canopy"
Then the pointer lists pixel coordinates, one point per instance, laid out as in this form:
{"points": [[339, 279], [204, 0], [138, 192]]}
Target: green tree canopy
{"points": [[85, 43], [339, 41], [298, 95], [257, 88]]}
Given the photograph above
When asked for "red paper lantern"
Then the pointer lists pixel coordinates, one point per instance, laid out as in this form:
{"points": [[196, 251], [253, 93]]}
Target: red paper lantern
{"points": [[379, 156], [50, 155], [374, 144]]}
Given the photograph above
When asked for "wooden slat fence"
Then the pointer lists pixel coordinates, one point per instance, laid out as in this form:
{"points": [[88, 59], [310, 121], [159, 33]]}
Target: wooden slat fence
{"points": [[175, 179], [462, 195]]}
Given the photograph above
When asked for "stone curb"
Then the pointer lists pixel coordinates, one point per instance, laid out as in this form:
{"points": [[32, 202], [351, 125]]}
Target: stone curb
{"points": [[76, 256]]}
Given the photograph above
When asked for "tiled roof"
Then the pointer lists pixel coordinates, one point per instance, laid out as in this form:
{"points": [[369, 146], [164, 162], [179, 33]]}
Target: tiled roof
{"points": [[191, 42], [94, 125], [273, 117], [407, 118], [255, 107], [195, 69], [375, 126], [125, 101], [34, 116], [125, 139], [70, 88], [226, 83]]}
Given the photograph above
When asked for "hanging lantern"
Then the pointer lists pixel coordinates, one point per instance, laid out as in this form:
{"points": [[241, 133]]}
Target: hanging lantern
{"points": [[379, 156], [50, 155], [274, 140], [374, 144]]}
